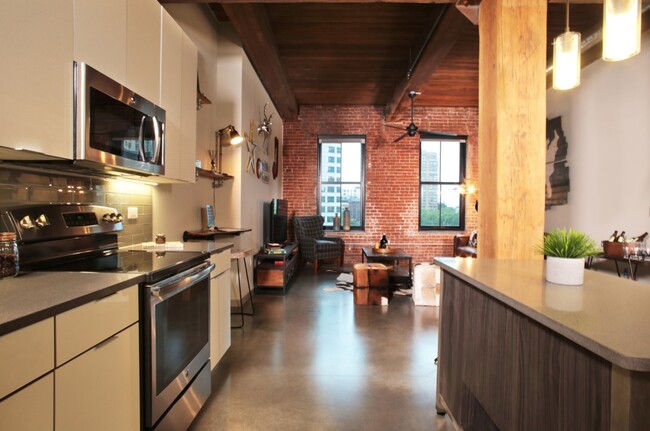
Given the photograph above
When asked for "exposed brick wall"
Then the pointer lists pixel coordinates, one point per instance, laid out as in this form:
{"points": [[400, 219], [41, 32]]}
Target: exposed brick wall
{"points": [[392, 173]]}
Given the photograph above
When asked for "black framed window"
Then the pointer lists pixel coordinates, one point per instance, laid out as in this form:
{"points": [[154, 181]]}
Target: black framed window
{"points": [[442, 171], [342, 178]]}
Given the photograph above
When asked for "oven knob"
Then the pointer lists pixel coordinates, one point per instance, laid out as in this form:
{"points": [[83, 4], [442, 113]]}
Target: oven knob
{"points": [[106, 218], [42, 221], [119, 218], [26, 222], [112, 217]]}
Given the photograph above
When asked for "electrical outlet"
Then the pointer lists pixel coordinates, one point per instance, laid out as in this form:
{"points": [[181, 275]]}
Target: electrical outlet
{"points": [[132, 213]]}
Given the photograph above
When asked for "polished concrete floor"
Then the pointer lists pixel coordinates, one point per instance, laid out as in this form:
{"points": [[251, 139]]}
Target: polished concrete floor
{"points": [[312, 360]]}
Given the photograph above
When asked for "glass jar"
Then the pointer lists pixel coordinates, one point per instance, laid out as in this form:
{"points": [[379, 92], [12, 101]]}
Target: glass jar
{"points": [[8, 255]]}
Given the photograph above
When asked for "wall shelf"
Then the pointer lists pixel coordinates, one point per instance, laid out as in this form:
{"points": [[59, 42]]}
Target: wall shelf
{"points": [[217, 179]]}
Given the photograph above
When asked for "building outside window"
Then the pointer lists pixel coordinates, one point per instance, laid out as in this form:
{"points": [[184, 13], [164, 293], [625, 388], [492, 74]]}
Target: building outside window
{"points": [[342, 178], [442, 171]]}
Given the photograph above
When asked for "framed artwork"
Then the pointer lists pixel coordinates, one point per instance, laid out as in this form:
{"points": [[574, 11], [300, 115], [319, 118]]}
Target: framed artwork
{"points": [[557, 169]]}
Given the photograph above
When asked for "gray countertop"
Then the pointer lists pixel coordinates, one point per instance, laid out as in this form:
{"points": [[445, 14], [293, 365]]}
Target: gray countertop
{"points": [[607, 315], [209, 246], [31, 297]]}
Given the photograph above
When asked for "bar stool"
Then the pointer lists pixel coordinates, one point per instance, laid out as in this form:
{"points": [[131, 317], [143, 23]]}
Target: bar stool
{"points": [[236, 255]]}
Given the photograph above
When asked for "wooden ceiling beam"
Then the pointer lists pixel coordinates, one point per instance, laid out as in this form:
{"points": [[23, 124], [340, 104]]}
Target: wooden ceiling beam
{"points": [[448, 28], [252, 23]]}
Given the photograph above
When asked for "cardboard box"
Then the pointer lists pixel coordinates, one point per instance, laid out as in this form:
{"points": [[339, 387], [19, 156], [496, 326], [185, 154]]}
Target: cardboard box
{"points": [[370, 284]]}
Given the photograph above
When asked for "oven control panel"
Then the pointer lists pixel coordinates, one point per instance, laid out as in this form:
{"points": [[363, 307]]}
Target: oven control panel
{"points": [[47, 222], [80, 219]]}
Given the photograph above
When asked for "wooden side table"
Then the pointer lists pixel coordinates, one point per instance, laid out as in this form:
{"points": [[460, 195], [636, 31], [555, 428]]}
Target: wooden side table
{"points": [[397, 274]]}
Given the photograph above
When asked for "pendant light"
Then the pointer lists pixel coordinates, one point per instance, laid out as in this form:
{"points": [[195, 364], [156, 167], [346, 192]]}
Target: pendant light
{"points": [[621, 29], [566, 58]]}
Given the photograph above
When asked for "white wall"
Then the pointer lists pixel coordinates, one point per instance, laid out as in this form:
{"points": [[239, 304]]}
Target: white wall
{"points": [[176, 208], [241, 99], [606, 121], [230, 82]]}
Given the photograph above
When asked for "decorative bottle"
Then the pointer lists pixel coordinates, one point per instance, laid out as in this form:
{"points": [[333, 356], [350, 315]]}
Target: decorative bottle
{"points": [[8, 255], [337, 222], [383, 242], [346, 219]]}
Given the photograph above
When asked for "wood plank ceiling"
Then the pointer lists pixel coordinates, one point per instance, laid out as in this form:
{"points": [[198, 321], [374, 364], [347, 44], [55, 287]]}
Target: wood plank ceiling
{"points": [[371, 53]]}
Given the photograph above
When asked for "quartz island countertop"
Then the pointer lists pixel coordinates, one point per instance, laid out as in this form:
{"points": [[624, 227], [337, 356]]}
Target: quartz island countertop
{"points": [[607, 315]]}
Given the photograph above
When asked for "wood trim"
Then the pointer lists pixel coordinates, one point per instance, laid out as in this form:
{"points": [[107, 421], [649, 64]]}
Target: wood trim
{"points": [[448, 29], [252, 24]]}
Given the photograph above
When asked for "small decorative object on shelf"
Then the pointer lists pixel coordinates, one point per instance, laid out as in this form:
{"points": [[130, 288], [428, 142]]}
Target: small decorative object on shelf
{"points": [[346, 219], [336, 226], [8, 255]]}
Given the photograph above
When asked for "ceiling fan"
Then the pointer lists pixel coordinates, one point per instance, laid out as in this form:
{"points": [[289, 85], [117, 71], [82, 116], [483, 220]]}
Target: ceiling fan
{"points": [[412, 129]]}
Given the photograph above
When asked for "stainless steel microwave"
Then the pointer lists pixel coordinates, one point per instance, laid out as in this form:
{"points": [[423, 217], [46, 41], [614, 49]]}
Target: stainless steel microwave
{"points": [[115, 128]]}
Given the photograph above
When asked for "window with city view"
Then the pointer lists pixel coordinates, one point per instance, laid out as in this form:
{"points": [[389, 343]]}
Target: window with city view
{"points": [[442, 170], [341, 167]]}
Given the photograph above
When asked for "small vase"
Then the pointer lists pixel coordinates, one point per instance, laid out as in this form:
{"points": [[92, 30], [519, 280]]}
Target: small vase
{"points": [[346, 219], [560, 270]]}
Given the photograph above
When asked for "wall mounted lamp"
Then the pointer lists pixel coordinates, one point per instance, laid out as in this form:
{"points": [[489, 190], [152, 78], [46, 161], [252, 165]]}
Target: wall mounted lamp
{"points": [[621, 29], [566, 58], [467, 188], [232, 137]]}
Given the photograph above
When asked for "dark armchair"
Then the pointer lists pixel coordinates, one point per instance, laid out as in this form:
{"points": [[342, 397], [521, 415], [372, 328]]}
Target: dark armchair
{"points": [[462, 246], [314, 245]]}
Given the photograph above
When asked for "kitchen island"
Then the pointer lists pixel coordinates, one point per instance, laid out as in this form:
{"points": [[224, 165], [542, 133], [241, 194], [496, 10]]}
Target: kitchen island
{"points": [[516, 352]]}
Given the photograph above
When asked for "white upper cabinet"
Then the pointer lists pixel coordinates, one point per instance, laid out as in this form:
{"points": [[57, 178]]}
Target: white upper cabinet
{"points": [[188, 110], [100, 36], [143, 48], [36, 77], [178, 97], [171, 55]]}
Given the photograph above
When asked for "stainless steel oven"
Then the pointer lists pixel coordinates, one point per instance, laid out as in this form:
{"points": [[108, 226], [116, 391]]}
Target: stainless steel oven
{"points": [[177, 347], [174, 299]]}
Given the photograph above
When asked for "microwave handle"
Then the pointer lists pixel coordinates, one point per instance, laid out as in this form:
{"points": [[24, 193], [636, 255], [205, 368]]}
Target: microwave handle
{"points": [[141, 139], [158, 140]]}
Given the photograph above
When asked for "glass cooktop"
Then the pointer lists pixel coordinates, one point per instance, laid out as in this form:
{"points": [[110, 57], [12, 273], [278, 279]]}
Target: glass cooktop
{"points": [[156, 264]]}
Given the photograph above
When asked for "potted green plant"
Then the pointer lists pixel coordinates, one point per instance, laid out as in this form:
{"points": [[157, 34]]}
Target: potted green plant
{"points": [[565, 252]]}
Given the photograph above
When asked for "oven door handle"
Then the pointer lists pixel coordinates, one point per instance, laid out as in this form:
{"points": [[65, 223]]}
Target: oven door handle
{"points": [[178, 283]]}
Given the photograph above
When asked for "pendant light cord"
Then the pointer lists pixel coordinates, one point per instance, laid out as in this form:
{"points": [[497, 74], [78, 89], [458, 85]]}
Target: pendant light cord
{"points": [[567, 16]]}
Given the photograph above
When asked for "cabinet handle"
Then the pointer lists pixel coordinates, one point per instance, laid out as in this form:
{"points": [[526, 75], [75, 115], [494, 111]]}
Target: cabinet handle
{"points": [[107, 296], [106, 341]]}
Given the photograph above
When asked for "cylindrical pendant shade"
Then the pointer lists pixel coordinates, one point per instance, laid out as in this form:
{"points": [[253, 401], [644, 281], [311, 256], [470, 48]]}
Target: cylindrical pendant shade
{"points": [[621, 29], [566, 61]]}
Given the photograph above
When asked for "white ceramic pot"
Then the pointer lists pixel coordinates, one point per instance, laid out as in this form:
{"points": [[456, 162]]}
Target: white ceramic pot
{"points": [[561, 270]]}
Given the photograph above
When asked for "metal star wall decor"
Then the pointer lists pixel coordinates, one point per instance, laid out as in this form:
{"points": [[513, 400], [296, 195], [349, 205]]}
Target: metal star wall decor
{"points": [[265, 129], [251, 147]]}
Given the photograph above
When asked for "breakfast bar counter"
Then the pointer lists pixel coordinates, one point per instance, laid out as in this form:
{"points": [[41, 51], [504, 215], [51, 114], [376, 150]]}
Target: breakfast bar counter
{"points": [[516, 352]]}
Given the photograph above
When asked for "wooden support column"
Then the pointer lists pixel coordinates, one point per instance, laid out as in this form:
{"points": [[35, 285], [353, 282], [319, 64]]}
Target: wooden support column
{"points": [[512, 121]]}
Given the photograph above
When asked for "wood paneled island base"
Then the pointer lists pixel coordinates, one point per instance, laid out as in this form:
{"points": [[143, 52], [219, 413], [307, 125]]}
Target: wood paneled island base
{"points": [[502, 367]]}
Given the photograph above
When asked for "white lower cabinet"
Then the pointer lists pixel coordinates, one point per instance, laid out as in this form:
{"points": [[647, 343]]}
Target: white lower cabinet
{"points": [[100, 390], [31, 408], [95, 383], [219, 307]]}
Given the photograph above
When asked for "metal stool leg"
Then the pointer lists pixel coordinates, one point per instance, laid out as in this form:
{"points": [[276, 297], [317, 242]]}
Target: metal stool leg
{"points": [[250, 292], [241, 306], [241, 311]]}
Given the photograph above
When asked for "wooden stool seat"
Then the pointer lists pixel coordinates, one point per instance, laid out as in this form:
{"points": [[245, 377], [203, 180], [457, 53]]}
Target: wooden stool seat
{"points": [[240, 254]]}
